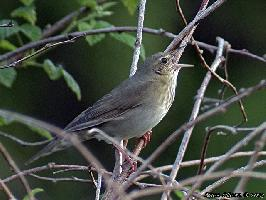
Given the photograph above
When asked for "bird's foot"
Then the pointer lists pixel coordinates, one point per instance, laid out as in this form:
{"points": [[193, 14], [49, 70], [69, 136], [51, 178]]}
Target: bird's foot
{"points": [[146, 138], [127, 158]]}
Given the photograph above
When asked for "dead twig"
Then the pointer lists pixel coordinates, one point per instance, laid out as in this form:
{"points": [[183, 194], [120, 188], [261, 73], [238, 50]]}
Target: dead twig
{"points": [[14, 166]]}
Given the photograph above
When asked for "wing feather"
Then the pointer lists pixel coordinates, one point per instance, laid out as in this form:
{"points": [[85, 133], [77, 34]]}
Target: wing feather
{"points": [[110, 107]]}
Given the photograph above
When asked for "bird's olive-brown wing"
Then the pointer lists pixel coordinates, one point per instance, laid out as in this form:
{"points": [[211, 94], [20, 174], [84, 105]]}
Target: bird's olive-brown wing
{"points": [[112, 106]]}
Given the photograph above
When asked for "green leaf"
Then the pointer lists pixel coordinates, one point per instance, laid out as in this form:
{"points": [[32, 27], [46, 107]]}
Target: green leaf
{"points": [[88, 3], [33, 192], [131, 5], [5, 121], [72, 84], [93, 39], [6, 45], [108, 5], [27, 12], [32, 32], [41, 132], [179, 194], [53, 72], [27, 2], [7, 77], [8, 31], [128, 40]]}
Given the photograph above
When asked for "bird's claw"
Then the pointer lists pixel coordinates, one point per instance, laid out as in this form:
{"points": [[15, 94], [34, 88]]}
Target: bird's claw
{"points": [[146, 138]]}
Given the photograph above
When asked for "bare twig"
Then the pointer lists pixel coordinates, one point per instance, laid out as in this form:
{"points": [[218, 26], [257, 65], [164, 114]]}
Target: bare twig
{"points": [[258, 147], [72, 138], [65, 179], [47, 46], [62, 23], [50, 166], [200, 118], [118, 156], [14, 166], [9, 24], [7, 191], [194, 114], [188, 181], [138, 41], [225, 82], [235, 148], [206, 161], [233, 130], [21, 142], [99, 185], [203, 152], [160, 32], [226, 178]]}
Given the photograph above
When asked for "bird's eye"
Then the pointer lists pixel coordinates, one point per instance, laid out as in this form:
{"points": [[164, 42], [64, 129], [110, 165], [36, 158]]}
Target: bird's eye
{"points": [[164, 60]]}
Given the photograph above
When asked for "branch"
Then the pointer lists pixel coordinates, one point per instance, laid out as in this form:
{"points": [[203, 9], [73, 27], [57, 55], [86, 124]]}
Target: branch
{"points": [[72, 138], [68, 179], [189, 181], [258, 147], [21, 142], [62, 23], [138, 41], [4, 187], [9, 24], [194, 114], [99, 185], [226, 178], [14, 166], [206, 161], [235, 148], [221, 108], [51, 166], [77, 35]]}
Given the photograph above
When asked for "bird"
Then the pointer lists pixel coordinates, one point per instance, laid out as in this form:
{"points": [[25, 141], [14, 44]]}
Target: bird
{"points": [[131, 109]]}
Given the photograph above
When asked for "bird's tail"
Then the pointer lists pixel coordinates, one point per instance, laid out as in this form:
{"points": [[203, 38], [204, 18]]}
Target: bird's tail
{"points": [[54, 146]]}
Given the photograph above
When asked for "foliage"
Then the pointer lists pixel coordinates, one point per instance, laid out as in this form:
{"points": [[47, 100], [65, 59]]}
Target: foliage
{"points": [[33, 192]]}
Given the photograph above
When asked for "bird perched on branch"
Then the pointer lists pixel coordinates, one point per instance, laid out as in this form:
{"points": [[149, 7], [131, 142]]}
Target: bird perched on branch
{"points": [[131, 109]]}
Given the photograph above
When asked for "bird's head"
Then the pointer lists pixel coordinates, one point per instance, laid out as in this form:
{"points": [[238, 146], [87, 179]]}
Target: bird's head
{"points": [[161, 64]]}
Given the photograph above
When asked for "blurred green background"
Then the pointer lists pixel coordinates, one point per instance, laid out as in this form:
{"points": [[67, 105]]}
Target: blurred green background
{"points": [[99, 68]]}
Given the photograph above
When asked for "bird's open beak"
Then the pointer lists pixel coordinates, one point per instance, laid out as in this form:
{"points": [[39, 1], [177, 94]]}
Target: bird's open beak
{"points": [[173, 54], [184, 65]]}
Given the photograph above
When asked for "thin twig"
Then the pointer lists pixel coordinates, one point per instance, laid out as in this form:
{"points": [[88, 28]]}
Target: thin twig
{"points": [[62, 23], [188, 181], [226, 178], [7, 191], [191, 163], [99, 185], [72, 138], [204, 152], [225, 82], [159, 32], [14, 166], [49, 166], [65, 179], [234, 149], [47, 46], [9, 24], [138, 41], [21, 142], [233, 130], [117, 172], [258, 147], [200, 118], [194, 114]]}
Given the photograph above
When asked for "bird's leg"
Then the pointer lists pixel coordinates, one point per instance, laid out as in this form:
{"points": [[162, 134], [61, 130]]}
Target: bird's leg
{"points": [[146, 138], [126, 157]]}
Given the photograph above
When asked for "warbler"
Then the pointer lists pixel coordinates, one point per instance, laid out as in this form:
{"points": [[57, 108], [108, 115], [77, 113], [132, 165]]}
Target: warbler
{"points": [[131, 109]]}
